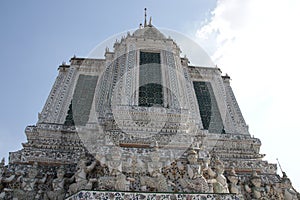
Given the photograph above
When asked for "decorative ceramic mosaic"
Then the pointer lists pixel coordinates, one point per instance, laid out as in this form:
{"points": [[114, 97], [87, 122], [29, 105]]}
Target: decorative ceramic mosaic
{"points": [[103, 195]]}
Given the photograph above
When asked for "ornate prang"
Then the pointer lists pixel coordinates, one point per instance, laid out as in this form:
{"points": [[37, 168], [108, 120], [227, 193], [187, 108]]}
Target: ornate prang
{"points": [[181, 137]]}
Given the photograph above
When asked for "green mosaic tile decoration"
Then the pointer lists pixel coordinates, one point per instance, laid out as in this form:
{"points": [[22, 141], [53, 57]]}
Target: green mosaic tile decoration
{"points": [[69, 118], [83, 98], [150, 80], [208, 107]]}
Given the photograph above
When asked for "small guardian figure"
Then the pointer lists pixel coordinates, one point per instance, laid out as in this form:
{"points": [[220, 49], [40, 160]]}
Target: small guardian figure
{"points": [[4, 180], [80, 176], [58, 191], [218, 179], [28, 184], [194, 182], [255, 188], [288, 191], [156, 181], [115, 180], [233, 182]]}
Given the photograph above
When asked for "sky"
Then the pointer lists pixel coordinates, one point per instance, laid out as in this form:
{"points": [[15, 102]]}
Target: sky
{"points": [[255, 41]]}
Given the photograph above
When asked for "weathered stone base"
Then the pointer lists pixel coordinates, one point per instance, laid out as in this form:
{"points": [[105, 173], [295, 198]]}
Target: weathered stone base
{"points": [[113, 195]]}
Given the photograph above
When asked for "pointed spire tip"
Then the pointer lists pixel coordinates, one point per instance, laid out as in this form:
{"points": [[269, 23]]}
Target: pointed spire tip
{"points": [[145, 22]]}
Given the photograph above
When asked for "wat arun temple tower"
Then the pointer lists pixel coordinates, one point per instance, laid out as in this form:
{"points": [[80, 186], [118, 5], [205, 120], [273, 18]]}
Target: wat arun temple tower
{"points": [[141, 123]]}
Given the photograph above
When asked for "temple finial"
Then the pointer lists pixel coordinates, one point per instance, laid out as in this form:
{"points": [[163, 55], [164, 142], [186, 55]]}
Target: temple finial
{"points": [[150, 22], [145, 22]]}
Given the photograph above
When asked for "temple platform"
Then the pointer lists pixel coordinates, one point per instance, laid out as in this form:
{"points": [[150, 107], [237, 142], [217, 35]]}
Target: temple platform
{"points": [[115, 195]]}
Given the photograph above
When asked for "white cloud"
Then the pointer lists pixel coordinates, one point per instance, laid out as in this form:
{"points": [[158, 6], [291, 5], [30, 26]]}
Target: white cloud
{"points": [[257, 43]]}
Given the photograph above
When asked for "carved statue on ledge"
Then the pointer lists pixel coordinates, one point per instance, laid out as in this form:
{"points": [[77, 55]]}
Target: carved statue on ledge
{"points": [[80, 176], [4, 180], [115, 180], [28, 185], [255, 188], [194, 182], [233, 182], [217, 177], [288, 191], [58, 191], [156, 181]]}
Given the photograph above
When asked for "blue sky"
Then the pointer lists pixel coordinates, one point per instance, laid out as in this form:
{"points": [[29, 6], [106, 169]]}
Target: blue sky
{"points": [[256, 42]]}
